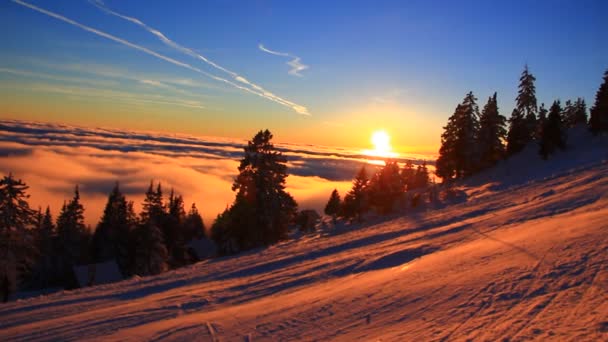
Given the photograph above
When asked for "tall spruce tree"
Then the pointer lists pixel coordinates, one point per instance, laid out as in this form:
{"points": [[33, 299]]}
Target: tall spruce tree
{"points": [[174, 230], [356, 201], [518, 135], [553, 134], [44, 270], [72, 238], [262, 209], [150, 250], [408, 174], [542, 118], [598, 120], [526, 101], [459, 154], [492, 133], [333, 206], [16, 243], [111, 239]]}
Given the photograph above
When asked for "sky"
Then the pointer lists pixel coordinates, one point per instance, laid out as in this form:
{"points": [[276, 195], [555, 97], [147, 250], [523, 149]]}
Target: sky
{"points": [[312, 72]]}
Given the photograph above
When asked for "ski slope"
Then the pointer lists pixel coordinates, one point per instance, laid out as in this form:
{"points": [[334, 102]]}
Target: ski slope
{"points": [[522, 258]]}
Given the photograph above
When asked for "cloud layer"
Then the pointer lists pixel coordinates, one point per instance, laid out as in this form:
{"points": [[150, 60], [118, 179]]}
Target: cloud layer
{"points": [[53, 158]]}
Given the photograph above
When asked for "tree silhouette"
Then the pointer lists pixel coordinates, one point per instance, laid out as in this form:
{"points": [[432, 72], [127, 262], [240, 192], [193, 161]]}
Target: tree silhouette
{"points": [[262, 209], [334, 205], [598, 120], [385, 187], [111, 239], [459, 153], [526, 101], [356, 201], [492, 133], [553, 135]]}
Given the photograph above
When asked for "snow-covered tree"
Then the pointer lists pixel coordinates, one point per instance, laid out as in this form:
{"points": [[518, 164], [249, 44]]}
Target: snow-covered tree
{"points": [[598, 120], [334, 205], [553, 135], [492, 133], [111, 239], [356, 201]]}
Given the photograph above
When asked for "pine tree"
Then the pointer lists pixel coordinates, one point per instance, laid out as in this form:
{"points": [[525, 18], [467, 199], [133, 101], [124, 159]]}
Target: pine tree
{"points": [[459, 153], [150, 251], [385, 187], [153, 208], [356, 201], [574, 113], [194, 225], [16, 221], [44, 270], [72, 237], [492, 133], [518, 135], [333, 206], [526, 102], [262, 209], [542, 118], [407, 175], [598, 120], [553, 135], [422, 176], [173, 230], [111, 239]]}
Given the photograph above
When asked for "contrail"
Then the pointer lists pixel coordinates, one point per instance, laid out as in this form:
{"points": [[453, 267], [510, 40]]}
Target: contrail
{"points": [[163, 38], [266, 95], [295, 64]]}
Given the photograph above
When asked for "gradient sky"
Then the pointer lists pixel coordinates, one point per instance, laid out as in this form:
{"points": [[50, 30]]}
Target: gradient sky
{"points": [[401, 66]]}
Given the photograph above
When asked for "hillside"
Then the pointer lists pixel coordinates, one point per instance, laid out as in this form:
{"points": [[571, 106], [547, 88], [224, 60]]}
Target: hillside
{"points": [[523, 258]]}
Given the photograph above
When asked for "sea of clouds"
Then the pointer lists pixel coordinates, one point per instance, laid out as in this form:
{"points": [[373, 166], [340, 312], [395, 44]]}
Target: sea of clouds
{"points": [[53, 158]]}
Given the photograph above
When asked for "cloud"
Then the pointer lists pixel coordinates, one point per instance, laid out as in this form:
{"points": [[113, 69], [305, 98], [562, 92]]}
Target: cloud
{"points": [[53, 158], [295, 63], [257, 89]]}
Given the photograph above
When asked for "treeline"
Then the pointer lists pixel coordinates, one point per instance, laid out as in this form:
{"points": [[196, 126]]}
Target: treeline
{"points": [[38, 252], [473, 141], [384, 192]]}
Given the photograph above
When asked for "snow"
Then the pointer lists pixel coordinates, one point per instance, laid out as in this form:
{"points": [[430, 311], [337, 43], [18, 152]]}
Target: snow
{"points": [[525, 257]]}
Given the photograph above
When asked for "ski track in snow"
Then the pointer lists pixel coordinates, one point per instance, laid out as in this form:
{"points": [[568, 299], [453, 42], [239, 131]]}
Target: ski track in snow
{"points": [[524, 259]]}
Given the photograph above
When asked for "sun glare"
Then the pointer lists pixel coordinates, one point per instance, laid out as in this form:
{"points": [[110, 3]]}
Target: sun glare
{"points": [[382, 145]]}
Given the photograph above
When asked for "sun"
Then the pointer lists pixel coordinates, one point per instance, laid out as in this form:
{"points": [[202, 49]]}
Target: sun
{"points": [[382, 145], [381, 141]]}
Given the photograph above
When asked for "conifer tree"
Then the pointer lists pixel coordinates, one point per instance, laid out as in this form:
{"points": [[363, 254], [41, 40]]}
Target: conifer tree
{"points": [[518, 135], [526, 102], [111, 239], [16, 220], [492, 133], [333, 206], [408, 175], [44, 270], [173, 230], [459, 153], [356, 201], [194, 225], [553, 135], [385, 187], [422, 176], [542, 118], [72, 237], [598, 120], [262, 209], [150, 251]]}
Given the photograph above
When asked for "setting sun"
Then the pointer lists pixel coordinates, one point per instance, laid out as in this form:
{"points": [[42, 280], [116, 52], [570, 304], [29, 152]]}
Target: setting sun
{"points": [[382, 145]]}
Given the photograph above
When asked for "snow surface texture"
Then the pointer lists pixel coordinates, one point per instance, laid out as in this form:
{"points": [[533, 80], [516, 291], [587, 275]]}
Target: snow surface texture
{"points": [[524, 258]]}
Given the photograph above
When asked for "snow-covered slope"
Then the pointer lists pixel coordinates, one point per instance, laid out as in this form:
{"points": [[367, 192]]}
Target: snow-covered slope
{"points": [[524, 258]]}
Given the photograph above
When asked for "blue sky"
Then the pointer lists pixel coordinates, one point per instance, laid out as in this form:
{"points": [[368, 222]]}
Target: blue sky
{"points": [[393, 65]]}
